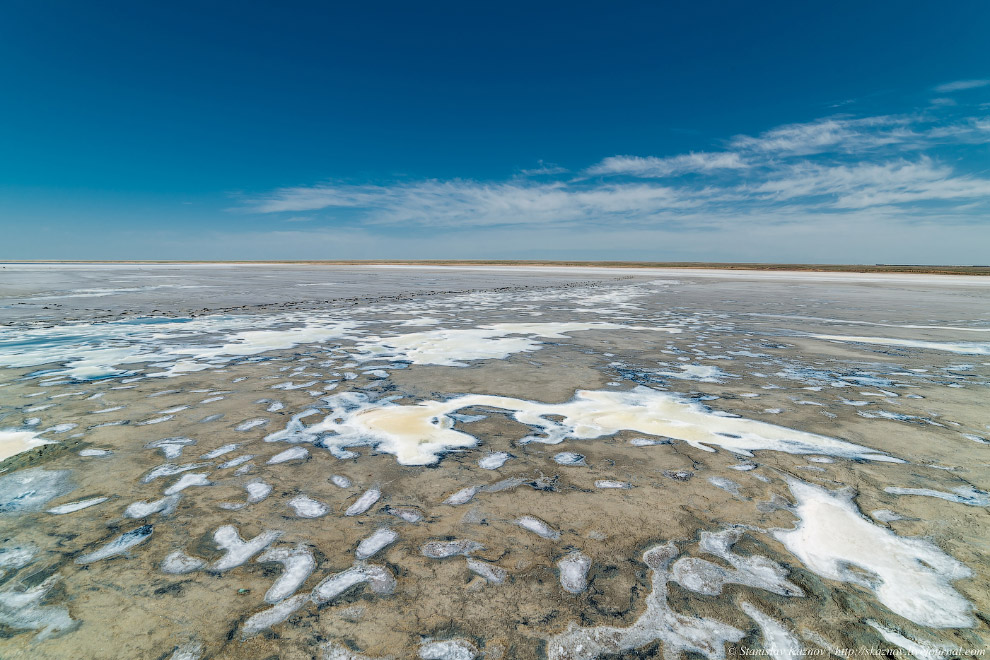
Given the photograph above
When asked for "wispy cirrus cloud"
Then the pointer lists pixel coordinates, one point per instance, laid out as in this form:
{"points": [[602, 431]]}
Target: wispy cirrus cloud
{"points": [[833, 134], [544, 169], [864, 185], [653, 167], [473, 203], [960, 85], [903, 168]]}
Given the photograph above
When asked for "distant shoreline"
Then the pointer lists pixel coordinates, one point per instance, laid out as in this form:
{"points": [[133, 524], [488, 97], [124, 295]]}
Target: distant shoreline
{"points": [[819, 268]]}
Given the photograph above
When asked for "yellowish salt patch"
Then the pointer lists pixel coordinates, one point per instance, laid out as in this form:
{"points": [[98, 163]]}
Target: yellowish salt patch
{"points": [[417, 434], [16, 442]]}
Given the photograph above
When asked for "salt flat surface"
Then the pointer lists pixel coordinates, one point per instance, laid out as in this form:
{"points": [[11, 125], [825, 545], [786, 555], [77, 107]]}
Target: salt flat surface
{"points": [[522, 462]]}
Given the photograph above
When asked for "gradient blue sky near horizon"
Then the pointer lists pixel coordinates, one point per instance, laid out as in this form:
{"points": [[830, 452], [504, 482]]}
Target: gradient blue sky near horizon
{"points": [[831, 132]]}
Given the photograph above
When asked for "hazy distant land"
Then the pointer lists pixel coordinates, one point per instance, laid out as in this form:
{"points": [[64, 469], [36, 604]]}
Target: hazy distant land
{"points": [[824, 268]]}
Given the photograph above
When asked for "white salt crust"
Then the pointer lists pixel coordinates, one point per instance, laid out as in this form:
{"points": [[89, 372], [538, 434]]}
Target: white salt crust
{"points": [[142, 509], [912, 577], [118, 546], [538, 527], [378, 541], [307, 507], [960, 347], [363, 503], [492, 573], [237, 550], [78, 505], [707, 578], [298, 564], [448, 649], [178, 563], [497, 341], [23, 610], [678, 632], [574, 572], [778, 641]]}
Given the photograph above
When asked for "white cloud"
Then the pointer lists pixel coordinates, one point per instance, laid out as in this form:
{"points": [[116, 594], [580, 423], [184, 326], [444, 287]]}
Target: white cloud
{"points": [[863, 185], [471, 203], [652, 167], [828, 135], [960, 85], [545, 169], [836, 171]]}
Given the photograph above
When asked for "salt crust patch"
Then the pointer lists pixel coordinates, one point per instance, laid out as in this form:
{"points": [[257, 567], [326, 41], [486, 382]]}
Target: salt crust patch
{"points": [[962, 494], [16, 556], [448, 649], [234, 462], [187, 480], [168, 469], [409, 514], [494, 460], [920, 650], [298, 565], [490, 572], [707, 578], [699, 373], [538, 527], [363, 503], [912, 577], [257, 491], [418, 434], [94, 452], [188, 651], [30, 490], [118, 546], [463, 496], [178, 562], [379, 540], [678, 632], [78, 505], [291, 454], [611, 483], [307, 507], [101, 350], [960, 347], [379, 580], [574, 572], [142, 509], [238, 551], [779, 643], [249, 424], [568, 458], [335, 651], [22, 610], [497, 341], [444, 549], [170, 447]]}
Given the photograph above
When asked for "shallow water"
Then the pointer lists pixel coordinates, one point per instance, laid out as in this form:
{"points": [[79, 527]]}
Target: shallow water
{"points": [[472, 463]]}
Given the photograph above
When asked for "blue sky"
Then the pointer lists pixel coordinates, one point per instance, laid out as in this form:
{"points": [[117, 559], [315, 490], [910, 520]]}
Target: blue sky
{"points": [[696, 131]]}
